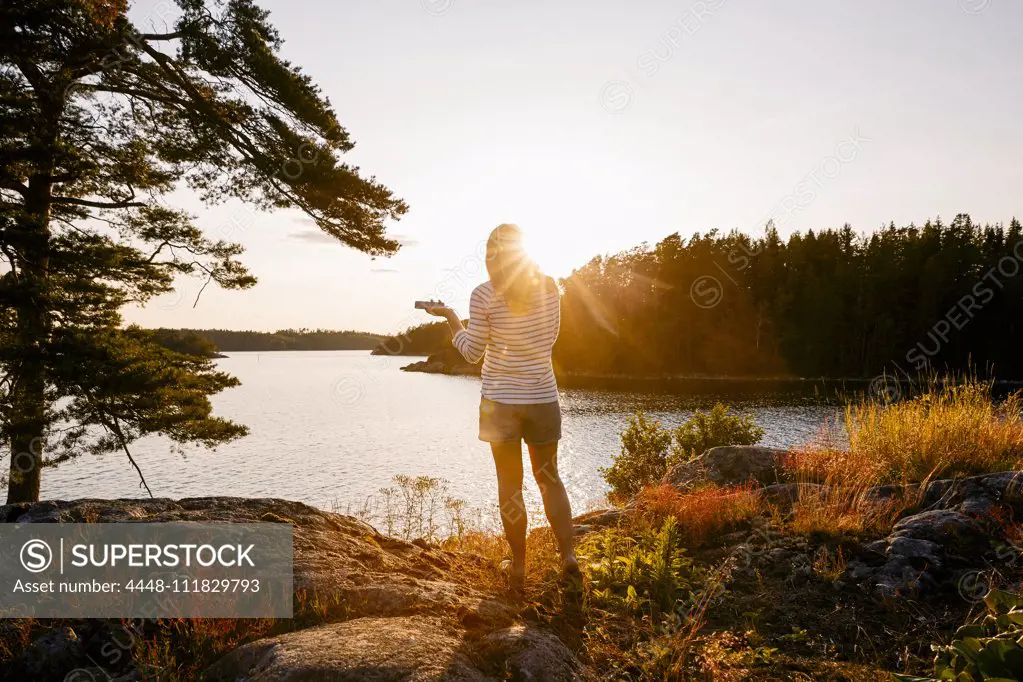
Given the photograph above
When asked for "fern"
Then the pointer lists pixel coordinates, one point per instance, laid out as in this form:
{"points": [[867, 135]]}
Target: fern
{"points": [[633, 575]]}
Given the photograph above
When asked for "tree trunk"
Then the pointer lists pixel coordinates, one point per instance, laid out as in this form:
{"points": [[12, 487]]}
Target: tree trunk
{"points": [[29, 418], [28, 429]]}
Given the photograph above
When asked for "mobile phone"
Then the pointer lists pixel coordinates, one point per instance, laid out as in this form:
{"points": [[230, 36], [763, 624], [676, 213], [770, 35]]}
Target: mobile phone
{"points": [[423, 305]]}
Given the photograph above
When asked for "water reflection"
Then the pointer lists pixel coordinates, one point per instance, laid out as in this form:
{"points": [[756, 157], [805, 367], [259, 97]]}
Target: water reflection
{"points": [[335, 427]]}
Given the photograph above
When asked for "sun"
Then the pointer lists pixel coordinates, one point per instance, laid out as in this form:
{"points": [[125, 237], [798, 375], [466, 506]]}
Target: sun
{"points": [[547, 254]]}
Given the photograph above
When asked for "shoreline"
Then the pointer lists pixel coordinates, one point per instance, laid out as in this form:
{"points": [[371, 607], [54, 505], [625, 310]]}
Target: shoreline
{"points": [[578, 379]]}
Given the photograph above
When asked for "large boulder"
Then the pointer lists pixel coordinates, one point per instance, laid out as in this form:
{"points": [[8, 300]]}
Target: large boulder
{"points": [[397, 650], [923, 552], [50, 656], [729, 465], [403, 611], [360, 650], [365, 572]]}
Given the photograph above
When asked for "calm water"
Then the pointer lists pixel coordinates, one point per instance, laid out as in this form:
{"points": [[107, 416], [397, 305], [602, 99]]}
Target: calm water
{"points": [[331, 428]]}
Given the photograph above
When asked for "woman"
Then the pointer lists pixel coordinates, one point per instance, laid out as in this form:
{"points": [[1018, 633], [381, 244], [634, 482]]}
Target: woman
{"points": [[513, 322]]}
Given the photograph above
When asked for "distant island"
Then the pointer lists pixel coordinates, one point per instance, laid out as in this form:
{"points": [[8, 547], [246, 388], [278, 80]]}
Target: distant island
{"points": [[215, 342], [424, 339]]}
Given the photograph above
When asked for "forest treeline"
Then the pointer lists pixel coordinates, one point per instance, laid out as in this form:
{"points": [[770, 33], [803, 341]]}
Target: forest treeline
{"points": [[207, 342], [827, 303], [423, 339]]}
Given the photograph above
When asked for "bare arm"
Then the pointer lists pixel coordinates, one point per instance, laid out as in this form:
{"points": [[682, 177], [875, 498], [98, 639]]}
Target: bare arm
{"points": [[454, 322], [470, 341], [449, 314]]}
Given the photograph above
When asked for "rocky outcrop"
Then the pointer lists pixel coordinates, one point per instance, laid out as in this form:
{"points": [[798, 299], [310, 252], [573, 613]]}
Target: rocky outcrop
{"points": [[447, 361], [923, 551], [951, 527], [730, 465], [966, 534], [960, 526], [399, 649], [52, 655], [394, 610], [595, 520], [971, 495]]}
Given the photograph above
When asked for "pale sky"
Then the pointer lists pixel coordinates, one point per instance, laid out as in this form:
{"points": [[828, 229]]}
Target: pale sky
{"points": [[602, 124]]}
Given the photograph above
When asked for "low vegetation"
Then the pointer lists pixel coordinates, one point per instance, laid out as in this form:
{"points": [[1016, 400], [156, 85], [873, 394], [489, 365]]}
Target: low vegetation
{"points": [[647, 573], [952, 428], [645, 598], [417, 507], [703, 513], [991, 649], [840, 510], [649, 450]]}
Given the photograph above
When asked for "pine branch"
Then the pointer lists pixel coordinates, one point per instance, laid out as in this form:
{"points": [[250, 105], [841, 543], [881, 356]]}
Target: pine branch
{"points": [[206, 284], [14, 185], [98, 204], [124, 446], [113, 426], [163, 36]]}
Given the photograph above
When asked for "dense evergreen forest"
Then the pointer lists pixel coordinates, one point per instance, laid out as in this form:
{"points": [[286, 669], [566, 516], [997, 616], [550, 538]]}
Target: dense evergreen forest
{"points": [[209, 341], [422, 339], [829, 303]]}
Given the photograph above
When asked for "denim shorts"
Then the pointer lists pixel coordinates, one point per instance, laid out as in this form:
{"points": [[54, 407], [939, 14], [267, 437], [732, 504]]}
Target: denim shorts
{"points": [[537, 424]]}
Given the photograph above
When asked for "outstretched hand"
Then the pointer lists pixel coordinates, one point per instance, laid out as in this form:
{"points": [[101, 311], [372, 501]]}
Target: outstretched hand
{"points": [[439, 310]]}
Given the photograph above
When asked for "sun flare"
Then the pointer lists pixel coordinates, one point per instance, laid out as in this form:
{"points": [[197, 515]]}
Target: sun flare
{"points": [[546, 254]]}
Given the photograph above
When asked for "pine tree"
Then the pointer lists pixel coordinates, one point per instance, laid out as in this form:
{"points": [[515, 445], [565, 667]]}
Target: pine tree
{"points": [[99, 121]]}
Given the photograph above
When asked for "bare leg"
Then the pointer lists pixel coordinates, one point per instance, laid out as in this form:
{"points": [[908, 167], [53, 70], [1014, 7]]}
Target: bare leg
{"points": [[508, 459], [544, 459]]}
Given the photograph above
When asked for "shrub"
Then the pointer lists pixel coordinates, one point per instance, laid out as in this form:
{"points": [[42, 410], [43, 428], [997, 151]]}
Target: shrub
{"points": [[643, 459], [648, 449], [989, 650], [706, 430]]}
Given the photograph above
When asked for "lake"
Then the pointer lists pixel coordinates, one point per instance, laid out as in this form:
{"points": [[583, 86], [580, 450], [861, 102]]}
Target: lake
{"points": [[331, 428]]}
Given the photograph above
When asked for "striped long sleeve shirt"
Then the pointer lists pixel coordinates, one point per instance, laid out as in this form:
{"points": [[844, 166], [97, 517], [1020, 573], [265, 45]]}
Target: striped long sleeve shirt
{"points": [[516, 348]]}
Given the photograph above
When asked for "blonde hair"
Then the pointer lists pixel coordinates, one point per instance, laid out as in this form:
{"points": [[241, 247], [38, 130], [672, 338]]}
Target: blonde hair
{"points": [[514, 274]]}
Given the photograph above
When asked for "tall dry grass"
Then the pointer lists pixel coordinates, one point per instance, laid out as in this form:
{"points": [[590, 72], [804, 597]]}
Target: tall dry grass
{"points": [[702, 513], [479, 553], [842, 506], [955, 427]]}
